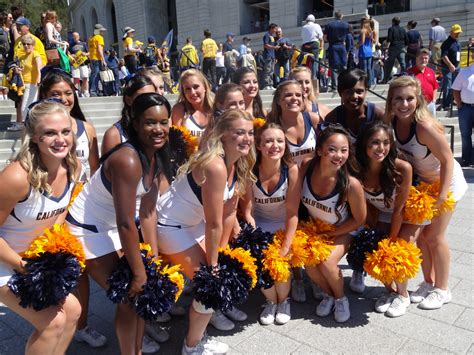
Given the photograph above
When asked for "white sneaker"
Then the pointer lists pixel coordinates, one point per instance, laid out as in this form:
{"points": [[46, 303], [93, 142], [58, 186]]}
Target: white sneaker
{"points": [[357, 282], [149, 346], [297, 291], [384, 301], [177, 311], [341, 310], [325, 307], [268, 314], [398, 307], [15, 127], [221, 322], [90, 336], [283, 313], [436, 299], [154, 331], [318, 294], [214, 346], [236, 314], [165, 317], [196, 350], [423, 290]]}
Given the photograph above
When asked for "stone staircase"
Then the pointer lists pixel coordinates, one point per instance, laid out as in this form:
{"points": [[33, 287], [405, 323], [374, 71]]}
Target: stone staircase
{"points": [[104, 111]]}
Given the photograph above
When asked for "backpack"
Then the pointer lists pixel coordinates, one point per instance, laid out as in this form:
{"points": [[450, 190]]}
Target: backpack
{"points": [[4, 44], [149, 55]]}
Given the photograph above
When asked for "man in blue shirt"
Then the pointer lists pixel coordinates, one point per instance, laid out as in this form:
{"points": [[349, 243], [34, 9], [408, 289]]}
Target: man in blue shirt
{"points": [[335, 34], [450, 58], [269, 46], [282, 56]]}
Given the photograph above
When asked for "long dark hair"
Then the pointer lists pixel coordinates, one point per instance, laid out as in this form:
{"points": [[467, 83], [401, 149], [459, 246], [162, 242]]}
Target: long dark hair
{"points": [[136, 83], [257, 105], [142, 103], [342, 184], [389, 178], [56, 77]]}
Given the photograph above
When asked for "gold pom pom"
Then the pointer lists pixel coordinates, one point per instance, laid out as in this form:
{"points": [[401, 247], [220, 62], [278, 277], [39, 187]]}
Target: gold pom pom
{"points": [[277, 266], [192, 142], [433, 191], [418, 206], [174, 274], [247, 260], [258, 122], [393, 261], [55, 240], [319, 245], [77, 189]]}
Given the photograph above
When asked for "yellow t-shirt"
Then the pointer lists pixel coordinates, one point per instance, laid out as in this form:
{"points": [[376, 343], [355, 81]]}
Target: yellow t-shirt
{"points": [[127, 42], [191, 57], [209, 48], [19, 51], [30, 72], [94, 43]]}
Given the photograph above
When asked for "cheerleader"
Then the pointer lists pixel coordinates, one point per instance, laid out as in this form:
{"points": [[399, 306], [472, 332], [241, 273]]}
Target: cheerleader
{"points": [[156, 76], [116, 134], [57, 84], [300, 132], [271, 203], [303, 76], [354, 111], [386, 180], [353, 114], [247, 78], [40, 181], [194, 107], [102, 216], [195, 216], [421, 139], [334, 197]]}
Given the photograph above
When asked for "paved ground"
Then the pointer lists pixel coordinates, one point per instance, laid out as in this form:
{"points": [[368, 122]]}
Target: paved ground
{"points": [[447, 330]]}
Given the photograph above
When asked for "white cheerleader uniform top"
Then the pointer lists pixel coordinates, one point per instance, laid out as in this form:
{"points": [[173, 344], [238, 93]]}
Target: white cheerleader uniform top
{"points": [[308, 144], [194, 128], [269, 208], [92, 217], [426, 165], [323, 208], [29, 218], [376, 199], [82, 149]]}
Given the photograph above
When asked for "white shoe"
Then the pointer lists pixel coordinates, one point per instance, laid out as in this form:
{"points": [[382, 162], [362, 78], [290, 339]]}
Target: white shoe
{"points": [[283, 313], [268, 314], [221, 322], [165, 317], [357, 282], [423, 290], [341, 310], [318, 294], [177, 311], [384, 301], [398, 307], [298, 293], [154, 331], [149, 346], [15, 127], [196, 350], [214, 346], [325, 307], [90, 336], [436, 299], [236, 314]]}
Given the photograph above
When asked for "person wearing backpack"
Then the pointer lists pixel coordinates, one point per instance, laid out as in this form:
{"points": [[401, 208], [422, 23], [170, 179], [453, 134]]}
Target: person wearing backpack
{"points": [[282, 55], [188, 58], [150, 55]]}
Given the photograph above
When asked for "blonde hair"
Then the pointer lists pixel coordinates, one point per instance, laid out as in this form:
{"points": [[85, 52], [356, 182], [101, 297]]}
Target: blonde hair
{"points": [[50, 16], [275, 114], [422, 114], [28, 38], [29, 156], [208, 99], [313, 95], [213, 147]]}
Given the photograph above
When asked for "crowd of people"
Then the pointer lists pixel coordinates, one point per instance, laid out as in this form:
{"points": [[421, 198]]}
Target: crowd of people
{"points": [[348, 167]]}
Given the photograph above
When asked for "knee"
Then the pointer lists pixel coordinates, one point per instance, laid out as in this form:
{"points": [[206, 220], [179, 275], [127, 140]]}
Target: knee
{"points": [[328, 267], [72, 308], [56, 326]]}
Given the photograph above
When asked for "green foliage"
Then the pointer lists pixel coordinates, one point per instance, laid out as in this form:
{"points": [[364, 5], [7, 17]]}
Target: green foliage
{"points": [[33, 9]]}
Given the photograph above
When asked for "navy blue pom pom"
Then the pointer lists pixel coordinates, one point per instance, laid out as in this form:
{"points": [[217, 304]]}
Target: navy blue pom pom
{"points": [[366, 241], [47, 281]]}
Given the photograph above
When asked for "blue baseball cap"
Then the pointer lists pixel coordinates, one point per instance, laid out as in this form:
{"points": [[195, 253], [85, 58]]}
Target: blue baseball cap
{"points": [[23, 21], [151, 39], [230, 34]]}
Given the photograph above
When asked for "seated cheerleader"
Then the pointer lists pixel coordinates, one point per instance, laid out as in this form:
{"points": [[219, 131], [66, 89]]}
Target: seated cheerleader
{"points": [[386, 180], [117, 134], [40, 181], [156, 76], [288, 111], [271, 203], [421, 138], [193, 216], [247, 78], [303, 76], [102, 216], [334, 197], [194, 106]]}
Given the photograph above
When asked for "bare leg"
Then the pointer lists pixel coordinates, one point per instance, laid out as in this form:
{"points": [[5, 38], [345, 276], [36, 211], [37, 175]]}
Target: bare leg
{"points": [[317, 277], [427, 263], [270, 294], [282, 290], [82, 294]]}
